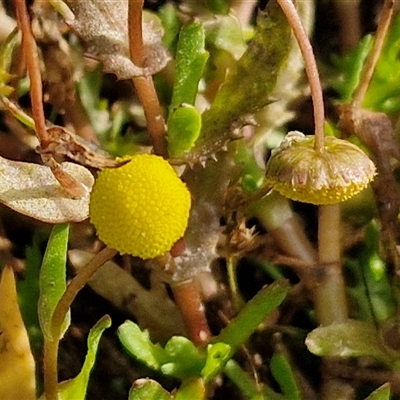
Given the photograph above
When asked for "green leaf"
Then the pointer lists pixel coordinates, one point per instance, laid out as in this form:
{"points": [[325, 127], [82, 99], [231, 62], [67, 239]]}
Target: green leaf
{"points": [[28, 290], [76, 388], [224, 32], [52, 279], [184, 125], [6, 52], [217, 356], [219, 6], [7, 49], [382, 393], [349, 339], [184, 359], [383, 93], [352, 66], [252, 314], [168, 15], [139, 345], [147, 389], [251, 80], [191, 58], [248, 386], [191, 389], [184, 121], [283, 374]]}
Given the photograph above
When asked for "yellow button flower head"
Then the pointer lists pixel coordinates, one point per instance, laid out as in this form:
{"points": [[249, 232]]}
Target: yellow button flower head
{"points": [[141, 208], [299, 172]]}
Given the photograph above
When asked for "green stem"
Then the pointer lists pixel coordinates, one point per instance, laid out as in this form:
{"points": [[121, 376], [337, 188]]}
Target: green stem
{"points": [[330, 291], [330, 300]]}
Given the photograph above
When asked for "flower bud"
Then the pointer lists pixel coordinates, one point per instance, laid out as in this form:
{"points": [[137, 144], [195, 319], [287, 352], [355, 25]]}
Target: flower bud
{"points": [[300, 172]]}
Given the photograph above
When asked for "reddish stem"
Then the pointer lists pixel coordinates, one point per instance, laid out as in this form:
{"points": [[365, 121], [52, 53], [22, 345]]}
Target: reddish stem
{"points": [[190, 304], [300, 33], [144, 85], [71, 186], [32, 64]]}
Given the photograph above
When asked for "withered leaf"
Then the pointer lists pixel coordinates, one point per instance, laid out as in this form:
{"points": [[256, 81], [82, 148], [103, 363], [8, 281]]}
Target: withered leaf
{"points": [[103, 27], [375, 130], [63, 144], [32, 190]]}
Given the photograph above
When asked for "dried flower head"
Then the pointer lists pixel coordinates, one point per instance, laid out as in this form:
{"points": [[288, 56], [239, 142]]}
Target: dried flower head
{"points": [[299, 172], [141, 208]]}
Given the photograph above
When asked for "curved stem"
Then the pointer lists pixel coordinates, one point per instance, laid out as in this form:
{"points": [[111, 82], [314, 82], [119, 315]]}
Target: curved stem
{"points": [[300, 33], [50, 360], [369, 69], [144, 85]]}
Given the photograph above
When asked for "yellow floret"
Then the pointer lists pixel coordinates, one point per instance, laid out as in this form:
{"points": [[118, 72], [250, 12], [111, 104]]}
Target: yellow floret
{"points": [[141, 208]]}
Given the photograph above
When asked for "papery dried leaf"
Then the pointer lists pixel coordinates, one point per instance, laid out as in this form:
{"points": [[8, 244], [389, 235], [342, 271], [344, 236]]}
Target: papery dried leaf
{"points": [[32, 190], [17, 365], [103, 27], [62, 143]]}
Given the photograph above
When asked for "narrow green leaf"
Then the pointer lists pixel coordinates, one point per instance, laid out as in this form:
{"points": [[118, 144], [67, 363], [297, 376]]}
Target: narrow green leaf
{"points": [[76, 388], [184, 125], [184, 121], [252, 314], [52, 278], [247, 385], [382, 393], [191, 58], [349, 339], [138, 344], [283, 374], [147, 389], [168, 15], [7, 49]]}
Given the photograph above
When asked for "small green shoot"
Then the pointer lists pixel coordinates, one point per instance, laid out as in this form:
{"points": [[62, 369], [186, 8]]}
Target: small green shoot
{"points": [[52, 281]]}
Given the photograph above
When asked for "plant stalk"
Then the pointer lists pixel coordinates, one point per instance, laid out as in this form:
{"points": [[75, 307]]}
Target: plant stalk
{"points": [[51, 347], [369, 69], [144, 85], [190, 304], [329, 294], [69, 184], [310, 63]]}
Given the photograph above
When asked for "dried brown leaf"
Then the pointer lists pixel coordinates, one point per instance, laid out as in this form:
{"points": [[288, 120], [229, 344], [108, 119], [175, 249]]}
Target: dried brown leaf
{"points": [[375, 130], [64, 144], [103, 27], [32, 190]]}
